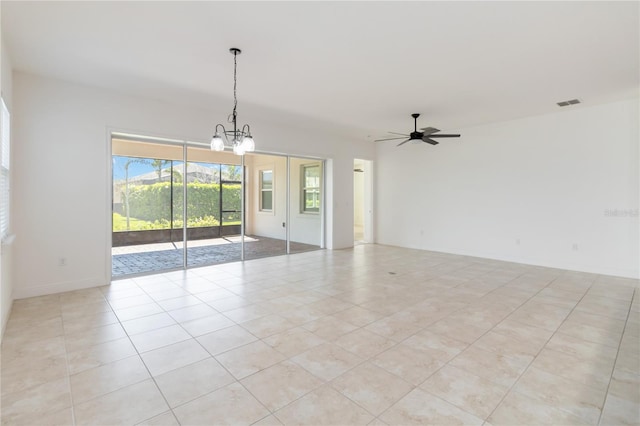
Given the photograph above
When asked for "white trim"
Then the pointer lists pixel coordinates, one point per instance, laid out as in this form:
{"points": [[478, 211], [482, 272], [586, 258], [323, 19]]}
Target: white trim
{"points": [[8, 240], [369, 202], [266, 168], [303, 201], [109, 208], [243, 207], [323, 208], [150, 139], [185, 189], [5, 170], [6, 316], [21, 292], [532, 261], [287, 212]]}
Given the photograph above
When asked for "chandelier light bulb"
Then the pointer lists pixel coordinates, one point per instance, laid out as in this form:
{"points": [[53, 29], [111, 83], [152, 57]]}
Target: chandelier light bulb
{"points": [[238, 149], [248, 144], [217, 144]]}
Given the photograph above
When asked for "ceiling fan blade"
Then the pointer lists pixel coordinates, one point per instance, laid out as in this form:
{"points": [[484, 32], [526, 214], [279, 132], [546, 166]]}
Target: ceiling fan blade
{"points": [[431, 141], [444, 136], [429, 130], [402, 143], [389, 139], [402, 134]]}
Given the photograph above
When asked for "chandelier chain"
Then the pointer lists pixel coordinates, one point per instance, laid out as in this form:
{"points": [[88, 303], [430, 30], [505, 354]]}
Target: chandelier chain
{"points": [[235, 82]]}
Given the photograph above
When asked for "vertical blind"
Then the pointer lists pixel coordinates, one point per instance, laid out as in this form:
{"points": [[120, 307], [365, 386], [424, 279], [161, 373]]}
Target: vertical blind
{"points": [[5, 166]]}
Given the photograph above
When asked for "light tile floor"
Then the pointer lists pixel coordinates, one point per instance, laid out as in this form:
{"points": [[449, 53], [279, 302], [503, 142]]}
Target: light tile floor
{"points": [[373, 335]]}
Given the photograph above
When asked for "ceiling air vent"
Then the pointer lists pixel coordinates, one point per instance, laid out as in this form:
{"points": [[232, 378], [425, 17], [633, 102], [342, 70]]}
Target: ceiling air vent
{"points": [[567, 103]]}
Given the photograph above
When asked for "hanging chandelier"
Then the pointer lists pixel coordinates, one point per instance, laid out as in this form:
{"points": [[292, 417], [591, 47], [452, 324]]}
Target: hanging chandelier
{"points": [[240, 140]]}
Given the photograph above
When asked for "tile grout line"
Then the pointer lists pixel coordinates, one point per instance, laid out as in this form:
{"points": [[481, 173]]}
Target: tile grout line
{"points": [[315, 287], [67, 377], [455, 356], [155, 302], [164, 346], [205, 349], [482, 335], [512, 388], [613, 370], [141, 360], [66, 358], [324, 382], [332, 342], [171, 409]]}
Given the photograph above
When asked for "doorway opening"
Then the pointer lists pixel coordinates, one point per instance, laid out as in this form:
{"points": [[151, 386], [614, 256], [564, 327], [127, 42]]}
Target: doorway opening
{"points": [[362, 202]]}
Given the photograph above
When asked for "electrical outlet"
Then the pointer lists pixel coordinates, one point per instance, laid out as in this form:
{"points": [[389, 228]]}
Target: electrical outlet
{"points": [[575, 247], [517, 241], [62, 261]]}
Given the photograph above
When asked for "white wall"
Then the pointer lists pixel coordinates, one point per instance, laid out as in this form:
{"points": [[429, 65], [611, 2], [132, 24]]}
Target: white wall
{"points": [[266, 224], [545, 181], [63, 177], [6, 250], [339, 190], [303, 227]]}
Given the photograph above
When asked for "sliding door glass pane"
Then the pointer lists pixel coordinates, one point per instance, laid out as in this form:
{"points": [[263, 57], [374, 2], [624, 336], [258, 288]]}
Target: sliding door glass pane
{"points": [[203, 200], [213, 207], [266, 216], [147, 203], [231, 191], [305, 198]]}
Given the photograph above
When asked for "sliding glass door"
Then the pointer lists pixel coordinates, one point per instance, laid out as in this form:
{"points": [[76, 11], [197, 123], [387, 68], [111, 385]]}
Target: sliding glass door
{"points": [[147, 207], [178, 205], [214, 206], [266, 212], [305, 204]]}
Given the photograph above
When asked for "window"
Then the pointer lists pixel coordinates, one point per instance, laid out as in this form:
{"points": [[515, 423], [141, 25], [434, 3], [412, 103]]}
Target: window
{"points": [[5, 168], [266, 190], [310, 188]]}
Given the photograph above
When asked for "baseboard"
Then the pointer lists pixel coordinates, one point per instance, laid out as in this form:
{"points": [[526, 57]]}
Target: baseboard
{"points": [[5, 318], [592, 269], [21, 292]]}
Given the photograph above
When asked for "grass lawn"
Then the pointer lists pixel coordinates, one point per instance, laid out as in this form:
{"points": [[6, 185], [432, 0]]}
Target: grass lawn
{"points": [[120, 224]]}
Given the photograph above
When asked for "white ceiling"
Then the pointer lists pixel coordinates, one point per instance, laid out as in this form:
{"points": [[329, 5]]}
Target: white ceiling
{"points": [[364, 65]]}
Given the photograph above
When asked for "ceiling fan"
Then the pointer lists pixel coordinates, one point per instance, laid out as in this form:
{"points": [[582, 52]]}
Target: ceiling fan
{"points": [[424, 136]]}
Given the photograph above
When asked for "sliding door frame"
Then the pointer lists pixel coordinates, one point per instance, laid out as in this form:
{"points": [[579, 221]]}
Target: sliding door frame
{"points": [[112, 133]]}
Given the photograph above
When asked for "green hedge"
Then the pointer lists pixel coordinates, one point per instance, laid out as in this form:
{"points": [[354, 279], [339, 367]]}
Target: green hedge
{"points": [[152, 202], [135, 224]]}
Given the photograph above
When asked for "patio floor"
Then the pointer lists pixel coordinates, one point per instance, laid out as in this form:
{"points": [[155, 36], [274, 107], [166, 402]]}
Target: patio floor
{"points": [[130, 260]]}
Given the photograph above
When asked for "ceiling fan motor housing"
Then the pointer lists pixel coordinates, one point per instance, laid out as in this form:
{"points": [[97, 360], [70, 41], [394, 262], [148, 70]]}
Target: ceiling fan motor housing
{"points": [[415, 134]]}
